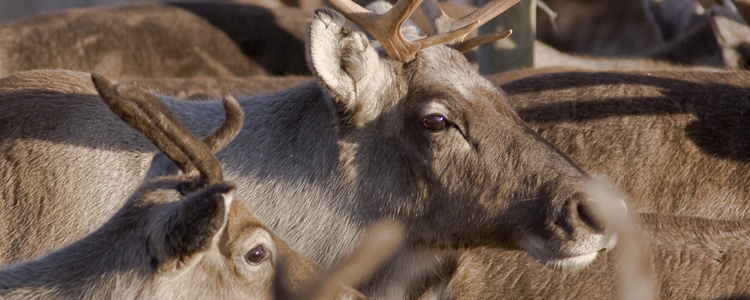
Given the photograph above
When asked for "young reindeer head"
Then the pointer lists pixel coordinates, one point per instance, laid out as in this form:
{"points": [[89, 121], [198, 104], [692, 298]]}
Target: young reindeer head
{"points": [[179, 236], [220, 246], [417, 120]]}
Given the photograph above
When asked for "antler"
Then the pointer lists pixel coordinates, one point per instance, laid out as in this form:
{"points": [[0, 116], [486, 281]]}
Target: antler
{"points": [[386, 28], [233, 120], [441, 22], [147, 114]]}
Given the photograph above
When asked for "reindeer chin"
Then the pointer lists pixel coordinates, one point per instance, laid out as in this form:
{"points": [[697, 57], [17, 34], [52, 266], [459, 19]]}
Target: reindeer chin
{"points": [[569, 262]]}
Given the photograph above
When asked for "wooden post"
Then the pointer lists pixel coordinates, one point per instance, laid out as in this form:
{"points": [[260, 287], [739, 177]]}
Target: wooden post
{"points": [[515, 51]]}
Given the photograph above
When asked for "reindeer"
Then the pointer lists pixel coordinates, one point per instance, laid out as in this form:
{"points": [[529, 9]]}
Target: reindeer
{"points": [[160, 40], [180, 235], [386, 131], [674, 141]]}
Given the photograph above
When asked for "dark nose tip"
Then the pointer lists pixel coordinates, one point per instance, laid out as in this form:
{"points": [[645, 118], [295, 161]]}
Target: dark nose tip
{"points": [[588, 216]]}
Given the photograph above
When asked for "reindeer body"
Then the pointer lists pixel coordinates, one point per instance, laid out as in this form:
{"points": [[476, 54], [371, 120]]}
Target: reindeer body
{"points": [[160, 40], [673, 141], [688, 257]]}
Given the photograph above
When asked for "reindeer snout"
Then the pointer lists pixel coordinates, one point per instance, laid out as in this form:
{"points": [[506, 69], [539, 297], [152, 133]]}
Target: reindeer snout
{"points": [[578, 217]]}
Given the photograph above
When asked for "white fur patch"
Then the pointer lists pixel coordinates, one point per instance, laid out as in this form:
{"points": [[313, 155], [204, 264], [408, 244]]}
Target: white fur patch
{"points": [[228, 198], [536, 247]]}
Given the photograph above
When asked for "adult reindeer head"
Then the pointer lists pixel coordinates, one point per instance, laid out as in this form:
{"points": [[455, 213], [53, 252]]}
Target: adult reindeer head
{"points": [[417, 120]]}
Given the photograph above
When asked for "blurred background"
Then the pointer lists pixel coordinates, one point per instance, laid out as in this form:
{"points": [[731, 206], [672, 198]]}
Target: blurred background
{"points": [[659, 33]]}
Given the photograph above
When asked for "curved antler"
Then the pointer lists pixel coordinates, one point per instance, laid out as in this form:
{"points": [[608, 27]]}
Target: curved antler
{"points": [[147, 114], [440, 22], [233, 120], [386, 28]]}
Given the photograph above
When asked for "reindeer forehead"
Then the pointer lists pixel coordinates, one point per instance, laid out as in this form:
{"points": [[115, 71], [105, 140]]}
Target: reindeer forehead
{"points": [[242, 219], [441, 56], [439, 69]]}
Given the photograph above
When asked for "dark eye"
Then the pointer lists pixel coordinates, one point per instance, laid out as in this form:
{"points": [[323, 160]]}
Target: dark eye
{"points": [[434, 122], [256, 255]]}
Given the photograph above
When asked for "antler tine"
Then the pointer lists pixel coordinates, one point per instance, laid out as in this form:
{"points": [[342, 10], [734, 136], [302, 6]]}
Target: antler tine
{"points": [[386, 28], [481, 39], [441, 22], [233, 120], [147, 114]]}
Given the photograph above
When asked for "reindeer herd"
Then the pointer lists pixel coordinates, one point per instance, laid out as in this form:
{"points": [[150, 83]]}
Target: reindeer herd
{"points": [[378, 163]]}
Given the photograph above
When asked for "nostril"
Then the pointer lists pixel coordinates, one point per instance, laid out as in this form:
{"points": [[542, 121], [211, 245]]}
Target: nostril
{"points": [[588, 216]]}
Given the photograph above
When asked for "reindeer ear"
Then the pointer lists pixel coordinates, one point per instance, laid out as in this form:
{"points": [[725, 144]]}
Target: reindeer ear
{"points": [[190, 227], [342, 59], [161, 166]]}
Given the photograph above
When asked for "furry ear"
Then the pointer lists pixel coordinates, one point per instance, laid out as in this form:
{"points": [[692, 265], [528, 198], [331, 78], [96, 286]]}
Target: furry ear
{"points": [[187, 228], [346, 65], [161, 166], [324, 53], [337, 55]]}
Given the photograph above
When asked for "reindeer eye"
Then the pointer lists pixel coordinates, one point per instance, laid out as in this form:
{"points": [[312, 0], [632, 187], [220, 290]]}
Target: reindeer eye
{"points": [[256, 255], [434, 122]]}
